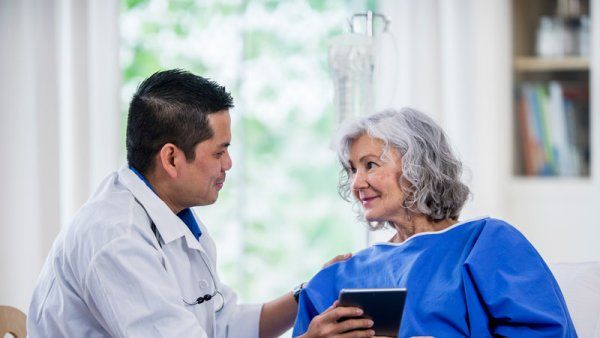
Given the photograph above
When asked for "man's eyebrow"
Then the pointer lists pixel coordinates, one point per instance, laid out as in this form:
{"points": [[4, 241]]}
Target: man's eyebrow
{"points": [[225, 145]]}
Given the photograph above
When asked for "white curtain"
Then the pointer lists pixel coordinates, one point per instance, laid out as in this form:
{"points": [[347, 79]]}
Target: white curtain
{"points": [[452, 61], [59, 127]]}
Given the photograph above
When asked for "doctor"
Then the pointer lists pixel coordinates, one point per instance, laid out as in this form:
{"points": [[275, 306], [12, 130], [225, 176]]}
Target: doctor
{"points": [[135, 261]]}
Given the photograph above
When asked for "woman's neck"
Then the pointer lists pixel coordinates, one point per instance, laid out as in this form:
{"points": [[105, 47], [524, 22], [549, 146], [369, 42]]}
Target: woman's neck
{"points": [[417, 224]]}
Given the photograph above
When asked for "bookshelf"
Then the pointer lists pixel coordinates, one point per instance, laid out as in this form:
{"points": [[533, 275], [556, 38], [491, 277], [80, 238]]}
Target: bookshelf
{"points": [[551, 65], [555, 210]]}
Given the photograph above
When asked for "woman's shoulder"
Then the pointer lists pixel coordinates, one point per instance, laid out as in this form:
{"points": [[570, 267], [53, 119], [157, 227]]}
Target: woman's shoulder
{"points": [[486, 226], [485, 222], [496, 236], [499, 228]]}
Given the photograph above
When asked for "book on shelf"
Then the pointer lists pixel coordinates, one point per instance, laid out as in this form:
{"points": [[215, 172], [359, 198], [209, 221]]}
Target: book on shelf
{"points": [[553, 126]]}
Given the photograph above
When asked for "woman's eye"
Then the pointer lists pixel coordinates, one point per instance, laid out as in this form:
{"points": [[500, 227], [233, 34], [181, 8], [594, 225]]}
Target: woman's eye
{"points": [[371, 165], [352, 170]]}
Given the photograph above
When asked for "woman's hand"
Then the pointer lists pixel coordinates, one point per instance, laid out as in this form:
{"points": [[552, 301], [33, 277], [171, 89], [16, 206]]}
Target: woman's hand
{"points": [[337, 258], [326, 324]]}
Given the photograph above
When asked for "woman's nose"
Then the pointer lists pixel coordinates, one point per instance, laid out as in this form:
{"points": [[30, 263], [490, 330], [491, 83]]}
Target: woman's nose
{"points": [[359, 181]]}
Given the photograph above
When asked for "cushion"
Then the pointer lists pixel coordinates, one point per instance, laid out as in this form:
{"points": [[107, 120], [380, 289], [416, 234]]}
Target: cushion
{"points": [[580, 285]]}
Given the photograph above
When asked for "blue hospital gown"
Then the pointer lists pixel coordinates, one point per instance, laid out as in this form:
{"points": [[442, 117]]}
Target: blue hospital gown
{"points": [[480, 278]]}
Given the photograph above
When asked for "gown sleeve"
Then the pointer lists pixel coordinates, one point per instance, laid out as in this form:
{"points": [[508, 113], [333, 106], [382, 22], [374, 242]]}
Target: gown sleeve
{"points": [[318, 295], [517, 293], [306, 312]]}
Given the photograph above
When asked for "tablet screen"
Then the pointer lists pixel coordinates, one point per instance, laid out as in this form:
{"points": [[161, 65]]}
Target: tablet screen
{"points": [[383, 306]]}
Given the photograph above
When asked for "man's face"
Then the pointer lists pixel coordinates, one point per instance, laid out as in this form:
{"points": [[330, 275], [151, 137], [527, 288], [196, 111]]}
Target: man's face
{"points": [[203, 177]]}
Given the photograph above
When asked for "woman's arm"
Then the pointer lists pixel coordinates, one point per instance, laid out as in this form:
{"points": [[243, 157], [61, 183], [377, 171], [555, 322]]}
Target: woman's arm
{"points": [[519, 294]]}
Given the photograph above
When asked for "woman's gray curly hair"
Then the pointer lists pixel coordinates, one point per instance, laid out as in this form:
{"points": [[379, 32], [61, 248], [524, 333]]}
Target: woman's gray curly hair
{"points": [[430, 178]]}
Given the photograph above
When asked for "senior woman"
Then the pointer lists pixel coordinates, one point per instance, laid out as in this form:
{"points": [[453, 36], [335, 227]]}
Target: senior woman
{"points": [[475, 278]]}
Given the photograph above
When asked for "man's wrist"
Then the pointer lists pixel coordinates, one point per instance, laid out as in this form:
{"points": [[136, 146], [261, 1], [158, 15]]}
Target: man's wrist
{"points": [[297, 290]]}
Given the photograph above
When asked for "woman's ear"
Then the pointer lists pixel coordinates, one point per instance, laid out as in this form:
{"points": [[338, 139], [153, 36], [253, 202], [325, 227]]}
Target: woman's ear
{"points": [[168, 159]]}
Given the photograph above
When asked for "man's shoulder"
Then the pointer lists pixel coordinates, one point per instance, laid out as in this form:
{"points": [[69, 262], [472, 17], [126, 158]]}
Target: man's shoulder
{"points": [[111, 204], [109, 215]]}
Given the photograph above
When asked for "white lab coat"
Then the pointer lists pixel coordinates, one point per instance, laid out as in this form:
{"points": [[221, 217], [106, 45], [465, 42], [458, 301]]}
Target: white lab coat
{"points": [[107, 275]]}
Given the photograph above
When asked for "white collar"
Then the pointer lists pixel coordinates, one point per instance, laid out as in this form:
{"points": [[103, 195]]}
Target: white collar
{"points": [[428, 233], [167, 223]]}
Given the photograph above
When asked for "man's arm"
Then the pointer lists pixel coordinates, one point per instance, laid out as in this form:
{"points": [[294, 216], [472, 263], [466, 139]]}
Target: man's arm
{"points": [[278, 315]]}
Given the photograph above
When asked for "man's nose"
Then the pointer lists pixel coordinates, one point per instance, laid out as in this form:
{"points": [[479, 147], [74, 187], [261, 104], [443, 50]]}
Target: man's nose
{"points": [[227, 162]]}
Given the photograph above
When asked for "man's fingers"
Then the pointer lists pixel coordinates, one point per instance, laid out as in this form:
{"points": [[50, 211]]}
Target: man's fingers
{"points": [[338, 258]]}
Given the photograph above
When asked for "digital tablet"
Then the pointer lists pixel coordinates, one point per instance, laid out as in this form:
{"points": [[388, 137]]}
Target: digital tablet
{"points": [[383, 306]]}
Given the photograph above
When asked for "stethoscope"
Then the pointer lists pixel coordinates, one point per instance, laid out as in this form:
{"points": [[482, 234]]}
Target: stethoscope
{"points": [[205, 298]]}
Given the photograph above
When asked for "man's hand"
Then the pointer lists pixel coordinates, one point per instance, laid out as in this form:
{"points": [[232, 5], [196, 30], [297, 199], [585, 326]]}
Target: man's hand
{"points": [[327, 325], [337, 258]]}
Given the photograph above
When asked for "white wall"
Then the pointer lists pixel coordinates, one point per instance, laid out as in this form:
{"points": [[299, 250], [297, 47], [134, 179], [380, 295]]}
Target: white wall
{"points": [[29, 211], [454, 64], [59, 85]]}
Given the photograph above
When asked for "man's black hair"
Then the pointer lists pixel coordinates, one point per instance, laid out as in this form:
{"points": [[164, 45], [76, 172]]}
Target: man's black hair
{"points": [[171, 106]]}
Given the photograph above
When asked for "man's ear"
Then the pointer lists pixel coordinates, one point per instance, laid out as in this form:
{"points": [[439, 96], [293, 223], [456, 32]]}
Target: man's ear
{"points": [[168, 156]]}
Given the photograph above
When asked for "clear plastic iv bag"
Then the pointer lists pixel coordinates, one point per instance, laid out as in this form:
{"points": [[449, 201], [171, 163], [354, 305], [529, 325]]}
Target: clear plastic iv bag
{"points": [[351, 62]]}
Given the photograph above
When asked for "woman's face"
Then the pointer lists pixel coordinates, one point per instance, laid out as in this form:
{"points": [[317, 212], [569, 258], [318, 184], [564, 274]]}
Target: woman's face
{"points": [[376, 182]]}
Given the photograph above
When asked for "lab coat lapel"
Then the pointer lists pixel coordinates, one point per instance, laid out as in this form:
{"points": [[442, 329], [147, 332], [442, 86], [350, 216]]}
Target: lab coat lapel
{"points": [[169, 226]]}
